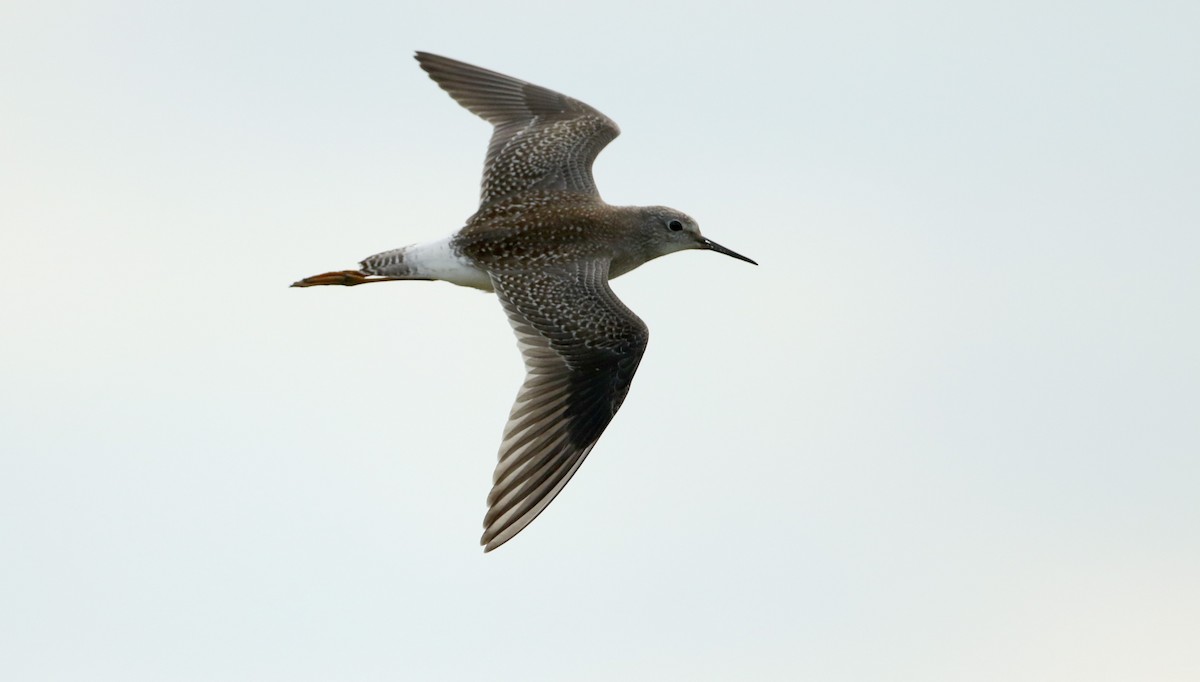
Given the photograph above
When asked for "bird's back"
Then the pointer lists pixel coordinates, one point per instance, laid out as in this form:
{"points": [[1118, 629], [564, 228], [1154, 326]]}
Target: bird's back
{"points": [[543, 229]]}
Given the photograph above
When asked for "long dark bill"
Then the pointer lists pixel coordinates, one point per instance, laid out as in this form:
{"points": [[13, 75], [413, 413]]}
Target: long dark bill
{"points": [[713, 246]]}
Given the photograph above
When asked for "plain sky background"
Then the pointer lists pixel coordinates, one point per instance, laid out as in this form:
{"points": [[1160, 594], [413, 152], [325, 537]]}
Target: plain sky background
{"points": [[949, 429]]}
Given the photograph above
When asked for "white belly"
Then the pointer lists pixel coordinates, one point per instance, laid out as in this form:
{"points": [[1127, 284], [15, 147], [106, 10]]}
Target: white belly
{"points": [[437, 260]]}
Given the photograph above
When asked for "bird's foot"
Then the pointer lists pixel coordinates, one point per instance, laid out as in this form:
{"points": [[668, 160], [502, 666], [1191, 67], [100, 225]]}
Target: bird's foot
{"points": [[346, 278]]}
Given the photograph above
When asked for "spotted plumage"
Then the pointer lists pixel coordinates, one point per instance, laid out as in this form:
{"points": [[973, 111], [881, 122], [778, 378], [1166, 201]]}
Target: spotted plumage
{"points": [[546, 243]]}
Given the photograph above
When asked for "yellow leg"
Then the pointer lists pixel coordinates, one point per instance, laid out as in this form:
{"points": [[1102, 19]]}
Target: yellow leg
{"points": [[346, 278]]}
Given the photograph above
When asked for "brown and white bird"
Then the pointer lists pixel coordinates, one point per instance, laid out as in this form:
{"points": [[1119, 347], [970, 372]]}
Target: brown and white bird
{"points": [[546, 243]]}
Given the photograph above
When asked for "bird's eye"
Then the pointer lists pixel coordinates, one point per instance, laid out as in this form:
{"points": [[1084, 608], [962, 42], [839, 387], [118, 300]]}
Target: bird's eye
{"points": [[675, 225]]}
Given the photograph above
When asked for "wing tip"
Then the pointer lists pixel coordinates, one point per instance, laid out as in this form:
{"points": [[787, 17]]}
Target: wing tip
{"points": [[428, 60], [492, 539]]}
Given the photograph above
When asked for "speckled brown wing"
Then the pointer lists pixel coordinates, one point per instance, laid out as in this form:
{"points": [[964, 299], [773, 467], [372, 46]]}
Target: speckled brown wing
{"points": [[542, 139], [581, 347]]}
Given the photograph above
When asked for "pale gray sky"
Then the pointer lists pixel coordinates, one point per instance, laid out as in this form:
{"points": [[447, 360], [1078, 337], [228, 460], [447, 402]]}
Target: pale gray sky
{"points": [[947, 431]]}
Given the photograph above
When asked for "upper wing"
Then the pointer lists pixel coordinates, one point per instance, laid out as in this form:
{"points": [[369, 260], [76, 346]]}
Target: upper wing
{"points": [[542, 139], [581, 346]]}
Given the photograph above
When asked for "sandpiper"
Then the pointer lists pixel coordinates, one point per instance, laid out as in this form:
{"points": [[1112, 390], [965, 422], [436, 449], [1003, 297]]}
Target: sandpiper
{"points": [[546, 243]]}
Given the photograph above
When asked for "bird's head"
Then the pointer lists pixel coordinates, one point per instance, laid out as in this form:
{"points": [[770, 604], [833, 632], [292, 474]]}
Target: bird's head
{"points": [[668, 231]]}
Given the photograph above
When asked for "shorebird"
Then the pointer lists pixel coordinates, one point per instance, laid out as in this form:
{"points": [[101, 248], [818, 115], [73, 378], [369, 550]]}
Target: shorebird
{"points": [[546, 243]]}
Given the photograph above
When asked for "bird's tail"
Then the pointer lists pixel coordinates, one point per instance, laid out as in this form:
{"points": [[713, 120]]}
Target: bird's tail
{"points": [[436, 260], [384, 267]]}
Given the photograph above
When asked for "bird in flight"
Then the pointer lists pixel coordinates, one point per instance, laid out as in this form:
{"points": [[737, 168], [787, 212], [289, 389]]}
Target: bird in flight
{"points": [[546, 243]]}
